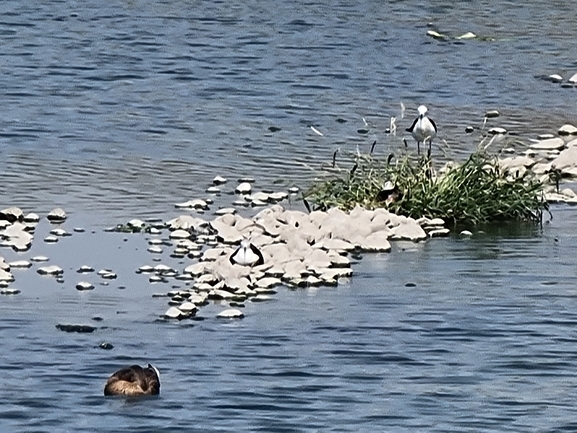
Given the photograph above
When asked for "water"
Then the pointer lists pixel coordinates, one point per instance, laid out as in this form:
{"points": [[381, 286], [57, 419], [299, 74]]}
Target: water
{"points": [[128, 107], [122, 109], [453, 334]]}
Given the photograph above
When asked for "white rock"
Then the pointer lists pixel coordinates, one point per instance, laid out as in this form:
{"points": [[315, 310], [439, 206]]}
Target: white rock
{"points": [[50, 270], [84, 285], [555, 78], [226, 211], [213, 190], [179, 234], [12, 214], [6, 276], [20, 264], [39, 259], [136, 223], [31, 218], [573, 79], [188, 307], [9, 291], [154, 249], [51, 239], [174, 313], [549, 144], [231, 313], [59, 232], [466, 233], [567, 130], [193, 204], [218, 180], [497, 130], [244, 188], [56, 215]]}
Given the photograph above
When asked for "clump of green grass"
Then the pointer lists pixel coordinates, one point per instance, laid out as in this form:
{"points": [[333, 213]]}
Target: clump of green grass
{"points": [[474, 192]]}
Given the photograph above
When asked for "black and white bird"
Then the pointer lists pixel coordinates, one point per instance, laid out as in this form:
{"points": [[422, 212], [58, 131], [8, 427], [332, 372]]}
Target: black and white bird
{"points": [[423, 129], [247, 255], [134, 381]]}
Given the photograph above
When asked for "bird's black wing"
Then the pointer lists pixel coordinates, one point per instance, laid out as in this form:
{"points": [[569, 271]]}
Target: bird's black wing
{"points": [[413, 125]]}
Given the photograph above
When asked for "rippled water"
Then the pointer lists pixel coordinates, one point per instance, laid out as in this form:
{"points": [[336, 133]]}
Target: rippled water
{"points": [[122, 108], [449, 335], [107, 106]]}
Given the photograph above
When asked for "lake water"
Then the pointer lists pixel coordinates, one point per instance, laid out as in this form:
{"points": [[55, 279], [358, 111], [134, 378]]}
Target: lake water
{"points": [[121, 109]]}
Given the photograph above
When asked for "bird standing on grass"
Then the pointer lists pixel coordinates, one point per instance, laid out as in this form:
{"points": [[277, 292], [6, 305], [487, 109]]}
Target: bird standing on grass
{"points": [[423, 129], [134, 381]]}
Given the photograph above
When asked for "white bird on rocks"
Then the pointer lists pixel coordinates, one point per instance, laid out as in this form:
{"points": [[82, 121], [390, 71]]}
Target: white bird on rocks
{"points": [[247, 255], [423, 129]]}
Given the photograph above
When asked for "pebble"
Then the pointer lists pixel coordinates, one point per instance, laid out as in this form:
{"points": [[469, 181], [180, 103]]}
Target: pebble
{"points": [[243, 188], [39, 259], [193, 204], [84, 285], [492, 114], [567, 130], [57, 215], [12, 214], [9, 291], [231, 313], [180, 234], [154, 250], [497, 130], [20, 264], [573, 79], [31, 218], [50, 270], [85, 269], [213, 190], [59, 232], [219, 180], [51, 239]]}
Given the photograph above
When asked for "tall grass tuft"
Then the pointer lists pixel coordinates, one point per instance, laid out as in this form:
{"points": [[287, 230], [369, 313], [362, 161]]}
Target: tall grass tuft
{"points": [[474, 192]]}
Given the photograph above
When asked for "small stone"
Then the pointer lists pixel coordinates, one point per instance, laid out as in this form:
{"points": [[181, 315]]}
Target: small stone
{"points": [[50, 270], [106, 346], [20, 264], [497, 130], [244, 188], [9, 291], [179, 234], [51, 239], [573, 79], [555, 78], [567, 130], [193, 204], [12, 214], [78, 230], [293, 189], [469, 129], [188, 307], [154, 250], [225, 211], [231, 313], [174, 313], [56, 215], [549, 144], [108, 275], [136, 224], [466, 233], [39, 259], [84, 285], [246, 180], [213, 190], [219, 180], [31, 218], [85, 269], [59, 232]]}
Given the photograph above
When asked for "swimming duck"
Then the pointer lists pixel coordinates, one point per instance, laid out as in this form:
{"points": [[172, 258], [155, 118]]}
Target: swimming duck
{"points": [[134, 381], [247, 255], [423, 129]]}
